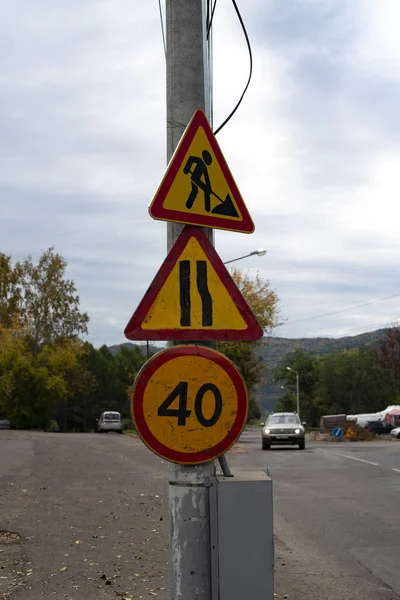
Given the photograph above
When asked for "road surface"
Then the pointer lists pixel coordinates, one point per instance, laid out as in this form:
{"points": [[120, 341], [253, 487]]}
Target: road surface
{"points": [[85, 516], [90, 513], [337, 517]]}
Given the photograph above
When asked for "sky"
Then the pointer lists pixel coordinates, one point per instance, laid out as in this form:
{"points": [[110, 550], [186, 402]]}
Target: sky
{"points": [[314, 149]]}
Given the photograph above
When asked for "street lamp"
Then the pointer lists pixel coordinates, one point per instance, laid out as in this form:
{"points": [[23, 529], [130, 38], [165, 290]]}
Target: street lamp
{"points": [[259, 252], [297, 389]]}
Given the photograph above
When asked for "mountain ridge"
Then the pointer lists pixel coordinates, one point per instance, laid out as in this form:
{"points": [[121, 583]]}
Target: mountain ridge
{"points": [[273, 351]]}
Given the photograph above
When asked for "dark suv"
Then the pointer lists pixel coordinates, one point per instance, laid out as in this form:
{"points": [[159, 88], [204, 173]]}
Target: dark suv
{"points": [[283, 428], [379, 427]]}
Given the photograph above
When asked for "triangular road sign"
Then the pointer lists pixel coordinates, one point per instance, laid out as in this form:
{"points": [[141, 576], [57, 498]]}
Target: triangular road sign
{"points": [[198, 187], [193, 297]]}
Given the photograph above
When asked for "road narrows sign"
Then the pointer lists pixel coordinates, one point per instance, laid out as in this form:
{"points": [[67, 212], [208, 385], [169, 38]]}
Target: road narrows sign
{"points": [[198, 187], [189, 404], [193, 297]]}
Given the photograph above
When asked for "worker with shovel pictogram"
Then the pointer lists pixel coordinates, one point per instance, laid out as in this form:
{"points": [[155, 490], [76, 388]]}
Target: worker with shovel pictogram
{"points": [[200, 180]]}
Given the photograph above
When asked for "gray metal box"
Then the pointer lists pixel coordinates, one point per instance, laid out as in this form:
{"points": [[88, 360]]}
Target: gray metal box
{"points": [[242, 537]]}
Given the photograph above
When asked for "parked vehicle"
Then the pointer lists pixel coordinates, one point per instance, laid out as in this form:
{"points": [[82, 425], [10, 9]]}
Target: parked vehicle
{"points": [[379, 427], [109, 421], [283, 428], [5, 424], [395, 432], [363, 419]]}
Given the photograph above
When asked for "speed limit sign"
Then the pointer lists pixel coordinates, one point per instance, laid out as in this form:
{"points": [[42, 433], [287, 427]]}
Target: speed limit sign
{"points": [[189, 404]]}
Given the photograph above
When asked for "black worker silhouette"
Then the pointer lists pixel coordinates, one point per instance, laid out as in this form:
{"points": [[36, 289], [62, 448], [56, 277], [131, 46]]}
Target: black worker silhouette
{"points": [[197, 167], [199, 178]]}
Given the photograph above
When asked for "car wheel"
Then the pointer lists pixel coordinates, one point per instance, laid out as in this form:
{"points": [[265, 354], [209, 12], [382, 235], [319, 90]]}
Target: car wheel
{"points": [[120, 431], [302, 445], [398, 436], [265, 445]]}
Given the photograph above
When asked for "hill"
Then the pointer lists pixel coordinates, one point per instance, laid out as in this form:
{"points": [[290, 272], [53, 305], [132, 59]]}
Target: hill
{"points": [[143, 347], [274, 350]]}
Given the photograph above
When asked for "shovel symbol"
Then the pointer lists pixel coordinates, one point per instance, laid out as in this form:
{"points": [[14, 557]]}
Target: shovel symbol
{"points": [[227, 207], [196, 167]]}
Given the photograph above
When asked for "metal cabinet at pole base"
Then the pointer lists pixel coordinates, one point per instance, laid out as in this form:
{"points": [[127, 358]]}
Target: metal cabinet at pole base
{"points": [[242, 551]]}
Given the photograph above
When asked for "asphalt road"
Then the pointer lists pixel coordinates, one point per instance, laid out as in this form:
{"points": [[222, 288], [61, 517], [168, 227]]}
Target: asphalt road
{"points": [[337, 517], [85, 516], [82, 516]]}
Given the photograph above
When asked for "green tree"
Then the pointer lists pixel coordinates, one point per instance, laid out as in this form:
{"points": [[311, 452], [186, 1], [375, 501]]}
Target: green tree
{"points": [[112, 376], [40, 324], [10, 291], [126, 365], [354, 382], [306, 365], [31, 386], [50, 304]]}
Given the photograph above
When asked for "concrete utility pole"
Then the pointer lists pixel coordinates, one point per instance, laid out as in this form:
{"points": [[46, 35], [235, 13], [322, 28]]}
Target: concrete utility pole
{"points": [[187, 90]]}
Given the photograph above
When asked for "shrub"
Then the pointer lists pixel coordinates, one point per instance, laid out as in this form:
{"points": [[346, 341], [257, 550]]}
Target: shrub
{"points": [[128, 424], [52, 426]]}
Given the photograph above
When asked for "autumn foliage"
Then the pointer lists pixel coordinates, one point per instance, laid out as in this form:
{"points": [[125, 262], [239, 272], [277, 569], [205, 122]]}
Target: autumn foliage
{"points": [[263, 301]]}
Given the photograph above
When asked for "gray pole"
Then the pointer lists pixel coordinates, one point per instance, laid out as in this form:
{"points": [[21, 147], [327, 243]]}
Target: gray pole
{"points": [[187, 89], [298, 395]]}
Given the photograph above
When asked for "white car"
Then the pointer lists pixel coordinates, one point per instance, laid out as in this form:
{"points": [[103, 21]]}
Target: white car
{"points": [[396, 432], [109, 421]]}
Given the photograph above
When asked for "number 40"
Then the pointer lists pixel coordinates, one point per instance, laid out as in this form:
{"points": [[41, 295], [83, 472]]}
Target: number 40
{"points": [[182, 412]]}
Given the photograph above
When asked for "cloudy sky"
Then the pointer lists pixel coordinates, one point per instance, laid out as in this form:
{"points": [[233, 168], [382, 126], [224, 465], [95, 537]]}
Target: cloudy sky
{"points": [[314, 148]]}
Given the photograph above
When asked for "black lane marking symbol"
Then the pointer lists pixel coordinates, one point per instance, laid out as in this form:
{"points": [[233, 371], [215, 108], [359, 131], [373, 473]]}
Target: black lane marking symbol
{"points": [[182, 413], [184, 287], [202, 286], [197, 169]]}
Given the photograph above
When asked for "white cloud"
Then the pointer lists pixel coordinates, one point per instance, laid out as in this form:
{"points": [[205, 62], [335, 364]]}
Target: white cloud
{"points": [[313, 148], [377, 41]]}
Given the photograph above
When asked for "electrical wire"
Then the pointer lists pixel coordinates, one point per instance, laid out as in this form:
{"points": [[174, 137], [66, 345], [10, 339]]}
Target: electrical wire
{"points": [[250, 71], [209, 62], [364, 329], [162, 28], [210, 18], [336, 312]]}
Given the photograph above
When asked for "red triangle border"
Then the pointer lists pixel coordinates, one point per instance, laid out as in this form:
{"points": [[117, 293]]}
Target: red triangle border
{"points": [[156, 208], [134, 331]]}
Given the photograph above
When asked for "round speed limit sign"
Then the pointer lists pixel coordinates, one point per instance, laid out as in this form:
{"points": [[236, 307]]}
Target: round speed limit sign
{"points": [[189, 404]]}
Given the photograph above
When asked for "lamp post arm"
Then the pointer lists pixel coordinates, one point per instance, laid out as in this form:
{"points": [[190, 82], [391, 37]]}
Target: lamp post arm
{"points": [[239, 258]]}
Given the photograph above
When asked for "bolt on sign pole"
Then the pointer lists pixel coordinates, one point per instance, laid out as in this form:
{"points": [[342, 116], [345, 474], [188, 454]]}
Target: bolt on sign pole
{"points": [[190, 559]]}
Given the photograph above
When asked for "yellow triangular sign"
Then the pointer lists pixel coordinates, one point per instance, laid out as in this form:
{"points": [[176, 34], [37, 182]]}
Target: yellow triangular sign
{"points": [[198, 187], [193, 297]]}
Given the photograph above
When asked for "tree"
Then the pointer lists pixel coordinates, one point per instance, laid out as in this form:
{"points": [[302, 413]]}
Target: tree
{"points": [[264, 303], [112, 376], [262, 300], [10, 291], [389, 351], [306, 365], [13, 366], [354, 382], [50, 304], [31, 386], [126, 365], [40, 324]]}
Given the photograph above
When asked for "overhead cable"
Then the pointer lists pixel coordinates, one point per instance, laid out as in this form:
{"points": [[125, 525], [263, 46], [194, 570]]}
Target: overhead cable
{"points": [[336, 312], [162, 28], [250, 71]]}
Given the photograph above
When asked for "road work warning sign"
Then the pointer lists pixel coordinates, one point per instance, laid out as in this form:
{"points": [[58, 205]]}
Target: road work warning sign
{"points": [[198, 187]]}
